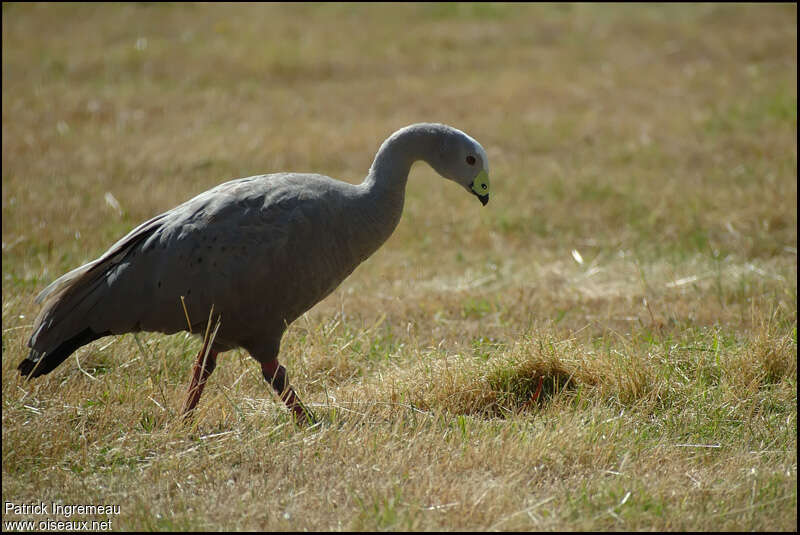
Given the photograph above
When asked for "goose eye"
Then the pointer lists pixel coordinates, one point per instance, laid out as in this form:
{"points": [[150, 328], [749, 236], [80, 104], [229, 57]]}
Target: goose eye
{"points": [[471, 159]]}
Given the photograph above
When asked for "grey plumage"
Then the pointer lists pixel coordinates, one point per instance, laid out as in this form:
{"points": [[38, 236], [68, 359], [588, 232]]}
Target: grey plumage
{"points": [[262, 250]]}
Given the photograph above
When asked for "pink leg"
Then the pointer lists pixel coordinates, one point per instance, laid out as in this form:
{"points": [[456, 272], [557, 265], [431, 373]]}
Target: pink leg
{"points": [[275, 374], [202, 370]]}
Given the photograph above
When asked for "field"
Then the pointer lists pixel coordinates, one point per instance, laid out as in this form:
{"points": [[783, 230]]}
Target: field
{"points": [[638, 257]]}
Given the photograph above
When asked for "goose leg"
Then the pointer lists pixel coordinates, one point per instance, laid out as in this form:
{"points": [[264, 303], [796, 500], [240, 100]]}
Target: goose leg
{"points": [[202, 370], [275, 374]]}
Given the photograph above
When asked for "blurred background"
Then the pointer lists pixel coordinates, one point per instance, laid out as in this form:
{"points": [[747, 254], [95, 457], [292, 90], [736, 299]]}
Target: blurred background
{"points": [[602, 122]]}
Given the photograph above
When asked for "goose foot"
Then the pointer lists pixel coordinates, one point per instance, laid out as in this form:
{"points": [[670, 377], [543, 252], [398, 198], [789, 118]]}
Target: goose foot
{"points": [[203, 368], [275, 375]]}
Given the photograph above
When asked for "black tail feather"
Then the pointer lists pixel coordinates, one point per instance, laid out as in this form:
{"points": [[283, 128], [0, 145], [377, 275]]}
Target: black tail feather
{"points": [[37, 364]]}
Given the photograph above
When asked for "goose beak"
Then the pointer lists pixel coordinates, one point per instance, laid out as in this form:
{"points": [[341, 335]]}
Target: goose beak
{"points": [[480, 187]]}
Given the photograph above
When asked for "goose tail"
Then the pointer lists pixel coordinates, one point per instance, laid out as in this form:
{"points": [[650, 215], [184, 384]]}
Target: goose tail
{"points": [[72, 312], [41, 363]]}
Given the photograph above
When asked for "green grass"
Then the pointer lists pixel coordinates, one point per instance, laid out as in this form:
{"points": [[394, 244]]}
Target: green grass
{"points": [[638, 257]]}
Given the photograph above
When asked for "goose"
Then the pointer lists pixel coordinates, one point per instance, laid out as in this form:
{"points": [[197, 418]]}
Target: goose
{"points": [[260, 250]]}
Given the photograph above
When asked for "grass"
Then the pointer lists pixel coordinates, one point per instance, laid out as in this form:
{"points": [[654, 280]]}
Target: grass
{"points": [[639, 257]]}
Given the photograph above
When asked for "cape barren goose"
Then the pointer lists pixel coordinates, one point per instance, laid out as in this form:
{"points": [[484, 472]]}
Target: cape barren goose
{"points": [[261, 250]]}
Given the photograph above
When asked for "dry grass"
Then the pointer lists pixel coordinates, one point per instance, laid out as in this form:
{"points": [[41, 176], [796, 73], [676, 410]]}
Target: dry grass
{"points": [[639, 255]]}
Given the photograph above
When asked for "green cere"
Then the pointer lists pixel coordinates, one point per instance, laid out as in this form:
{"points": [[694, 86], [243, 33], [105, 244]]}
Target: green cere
{"points": [[481, 184]]}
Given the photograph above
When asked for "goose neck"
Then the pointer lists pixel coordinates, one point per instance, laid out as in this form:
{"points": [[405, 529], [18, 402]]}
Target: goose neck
{"points": [[389, 170]]}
